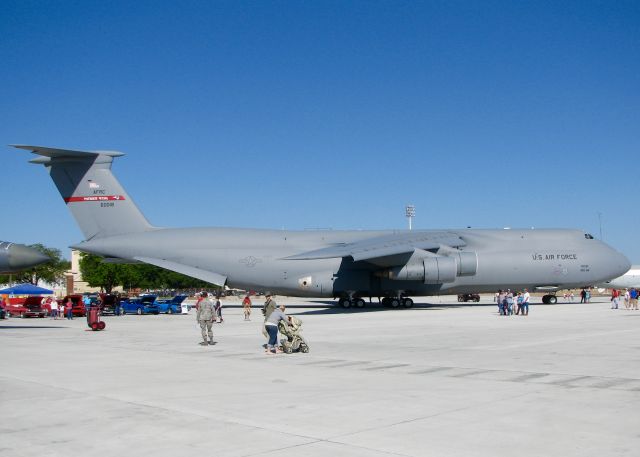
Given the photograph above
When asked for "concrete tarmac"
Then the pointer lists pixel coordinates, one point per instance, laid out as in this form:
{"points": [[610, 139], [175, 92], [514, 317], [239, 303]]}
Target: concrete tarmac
{"points": [[436, 380]]}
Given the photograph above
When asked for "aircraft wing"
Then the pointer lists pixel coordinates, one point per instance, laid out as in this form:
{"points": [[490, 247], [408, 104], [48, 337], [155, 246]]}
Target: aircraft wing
{"points": [[383, 246], [205, 275]]}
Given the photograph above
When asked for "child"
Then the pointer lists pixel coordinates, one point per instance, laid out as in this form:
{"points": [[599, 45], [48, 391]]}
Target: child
{"points": [[246, 306]]}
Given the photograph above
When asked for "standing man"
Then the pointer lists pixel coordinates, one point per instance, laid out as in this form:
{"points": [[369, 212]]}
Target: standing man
{"points": [[633, 298], [86, 299], [267, 309], [218, 310], [246, 307], [54, 308], [205, 319], [525, 302], [615, 298], [626, 298], [116, 305]]}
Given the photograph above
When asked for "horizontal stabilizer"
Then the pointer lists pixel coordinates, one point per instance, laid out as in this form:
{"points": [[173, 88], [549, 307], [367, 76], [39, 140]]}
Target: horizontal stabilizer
{"points": [[55, 152], [383, 246], [96, 199], [199, 273]]}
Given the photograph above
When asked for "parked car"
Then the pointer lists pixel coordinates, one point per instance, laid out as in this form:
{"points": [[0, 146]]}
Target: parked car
{"points": [[26, 307], [78, 309], [140, 305], [170, 305], [108, 303], [468, 297]]}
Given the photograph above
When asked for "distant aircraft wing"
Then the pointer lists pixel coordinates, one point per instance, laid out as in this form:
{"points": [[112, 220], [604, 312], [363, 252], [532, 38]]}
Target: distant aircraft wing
{"points": [[383, 246], [205, 275]]}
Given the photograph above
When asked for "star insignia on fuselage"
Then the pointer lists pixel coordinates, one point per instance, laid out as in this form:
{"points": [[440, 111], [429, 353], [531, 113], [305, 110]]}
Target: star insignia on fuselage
{"points": [[250, 261]]}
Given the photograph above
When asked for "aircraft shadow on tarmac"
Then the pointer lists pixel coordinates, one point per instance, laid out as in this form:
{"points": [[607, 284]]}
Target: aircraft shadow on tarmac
{"points": [[25, 327], [333, 308]]}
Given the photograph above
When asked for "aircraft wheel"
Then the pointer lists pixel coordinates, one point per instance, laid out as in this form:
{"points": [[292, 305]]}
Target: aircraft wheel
{"points": [[394, 302], [385, 301], [139, 311], [359, 302], [552, 300], [545, 299], [407, 302], [345, 303]]}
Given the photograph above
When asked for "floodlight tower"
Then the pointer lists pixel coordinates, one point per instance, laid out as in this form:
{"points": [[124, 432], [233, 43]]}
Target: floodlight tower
{"points": [[410, 212]]}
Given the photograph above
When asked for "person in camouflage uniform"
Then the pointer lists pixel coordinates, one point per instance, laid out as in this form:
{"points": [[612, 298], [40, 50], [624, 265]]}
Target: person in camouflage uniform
{"points": [[205, 318]]}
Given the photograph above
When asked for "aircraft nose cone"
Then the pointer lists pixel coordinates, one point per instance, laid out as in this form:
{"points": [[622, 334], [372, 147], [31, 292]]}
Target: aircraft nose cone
{"points": [[622, 264], [25, 257]]}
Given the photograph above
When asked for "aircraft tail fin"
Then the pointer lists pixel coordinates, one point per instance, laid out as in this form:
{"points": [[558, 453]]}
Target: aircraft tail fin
{"points": [[94, 196]]}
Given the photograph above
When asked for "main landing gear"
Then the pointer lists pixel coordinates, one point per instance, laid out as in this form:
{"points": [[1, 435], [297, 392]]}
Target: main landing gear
{"points": [[397, 302], [347, 302], [549, 299]]}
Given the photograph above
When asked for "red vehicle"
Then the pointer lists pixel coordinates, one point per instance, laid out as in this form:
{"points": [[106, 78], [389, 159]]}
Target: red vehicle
{"points": [[26, 307], [78, 309]]}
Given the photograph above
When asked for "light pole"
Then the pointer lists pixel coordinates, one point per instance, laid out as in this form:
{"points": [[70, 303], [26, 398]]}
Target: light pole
{"points": [[410, 212]]}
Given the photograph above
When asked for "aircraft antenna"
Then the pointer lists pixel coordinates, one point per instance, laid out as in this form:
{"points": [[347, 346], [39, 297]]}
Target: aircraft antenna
{"points": [[600, 223], [410, 212]]}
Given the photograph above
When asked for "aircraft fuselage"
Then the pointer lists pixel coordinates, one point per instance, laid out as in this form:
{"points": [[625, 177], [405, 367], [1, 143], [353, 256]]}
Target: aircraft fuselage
{"points": [[256, 259]]}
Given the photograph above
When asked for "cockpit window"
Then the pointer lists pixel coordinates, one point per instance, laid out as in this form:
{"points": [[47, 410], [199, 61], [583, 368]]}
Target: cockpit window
{"points": [[588, 236]]}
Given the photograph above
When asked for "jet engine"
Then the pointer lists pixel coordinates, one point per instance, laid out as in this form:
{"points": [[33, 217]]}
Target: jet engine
{"points": [[436, 269]]}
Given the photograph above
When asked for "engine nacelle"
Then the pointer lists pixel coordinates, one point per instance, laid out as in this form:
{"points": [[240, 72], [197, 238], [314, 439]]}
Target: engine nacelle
{"points": [[435, 268], [438, 270], [467, 262], [410, 272], [431, 270]]}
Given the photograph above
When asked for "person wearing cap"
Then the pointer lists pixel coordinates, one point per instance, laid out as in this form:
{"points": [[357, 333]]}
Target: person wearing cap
{"points": [[271, 326], [205, 317]]}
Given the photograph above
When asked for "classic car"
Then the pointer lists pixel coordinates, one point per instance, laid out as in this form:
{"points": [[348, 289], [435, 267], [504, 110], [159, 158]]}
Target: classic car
{"points": [[170, 305], [143, 304]]}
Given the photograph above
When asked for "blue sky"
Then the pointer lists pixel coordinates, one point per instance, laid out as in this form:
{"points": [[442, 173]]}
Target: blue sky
{"points": [[300, 114]]}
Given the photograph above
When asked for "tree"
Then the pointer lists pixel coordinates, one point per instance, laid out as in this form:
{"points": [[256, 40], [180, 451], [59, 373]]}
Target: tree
{"points": [[98, 273], [52, 272]]}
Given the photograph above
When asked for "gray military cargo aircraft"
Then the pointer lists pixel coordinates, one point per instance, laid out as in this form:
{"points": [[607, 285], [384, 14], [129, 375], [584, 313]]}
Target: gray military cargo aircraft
{"points": [[348, 265], [18, 257]]}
